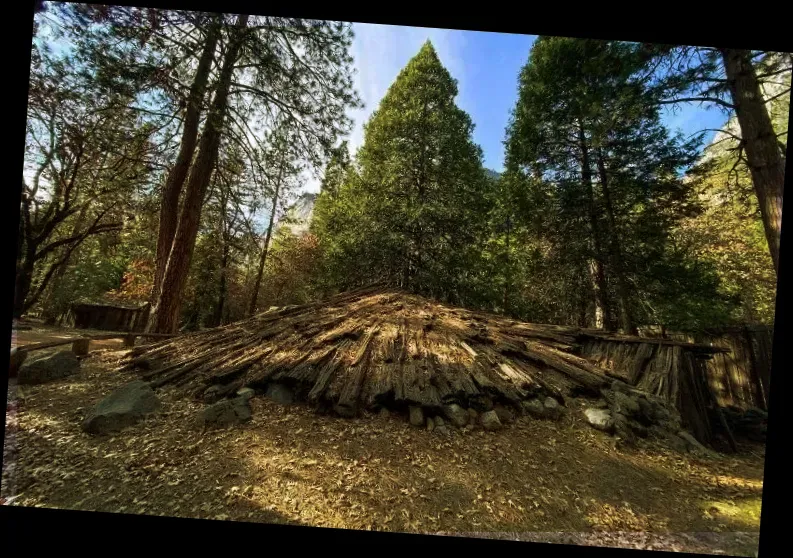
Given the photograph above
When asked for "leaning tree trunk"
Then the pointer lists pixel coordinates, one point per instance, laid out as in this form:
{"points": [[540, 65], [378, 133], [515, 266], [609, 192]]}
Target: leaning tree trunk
{"points": [[596, 272], [615, 253], [165, 311], [169, 203], [765, 162], [263, 259]]}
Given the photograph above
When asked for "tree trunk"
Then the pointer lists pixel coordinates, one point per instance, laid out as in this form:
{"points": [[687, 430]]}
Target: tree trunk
{"points": [[260, 273], [218, 320], [24, 279], [596, 272], [165, 311], [169, 204], [615, 252], [766, 164]]}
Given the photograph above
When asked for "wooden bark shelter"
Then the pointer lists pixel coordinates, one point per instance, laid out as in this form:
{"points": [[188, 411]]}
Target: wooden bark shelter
{"points": [[381, 347], [109, 317]]}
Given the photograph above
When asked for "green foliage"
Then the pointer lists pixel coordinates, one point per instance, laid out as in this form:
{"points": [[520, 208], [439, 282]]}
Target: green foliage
{"points": [[581, 101], [418, 177]]}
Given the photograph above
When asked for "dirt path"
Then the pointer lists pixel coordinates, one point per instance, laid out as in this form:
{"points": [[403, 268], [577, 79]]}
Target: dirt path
{"points": [[290, 465]]}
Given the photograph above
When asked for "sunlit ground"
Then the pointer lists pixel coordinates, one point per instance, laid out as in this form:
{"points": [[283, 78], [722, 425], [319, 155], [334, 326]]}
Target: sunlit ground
{"points": [[290, 465]]}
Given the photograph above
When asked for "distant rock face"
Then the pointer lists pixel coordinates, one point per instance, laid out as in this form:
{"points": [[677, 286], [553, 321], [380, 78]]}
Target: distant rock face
{"points": [[46, 369], [227, 412], [122, 408]]}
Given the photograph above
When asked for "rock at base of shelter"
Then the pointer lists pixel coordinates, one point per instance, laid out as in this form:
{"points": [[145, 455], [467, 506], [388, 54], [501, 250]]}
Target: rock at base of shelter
{"points": [[280, 394], [227, 412], [48, 368], [246, 393], [416, 416], [456, 414], [600, 419], [534, 407], [490, 420], [124, 407], [505, 415], [430, 424], [553, 410]]}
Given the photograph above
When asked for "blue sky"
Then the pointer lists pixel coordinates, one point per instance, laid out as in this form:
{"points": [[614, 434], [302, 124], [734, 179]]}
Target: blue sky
{"points": [[486, 67]]}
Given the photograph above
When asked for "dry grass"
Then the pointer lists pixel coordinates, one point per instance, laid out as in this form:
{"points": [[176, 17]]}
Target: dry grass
{"points": [[291, 465]]}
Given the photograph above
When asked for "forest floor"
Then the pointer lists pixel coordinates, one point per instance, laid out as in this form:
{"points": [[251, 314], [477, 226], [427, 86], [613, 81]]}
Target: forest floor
{"points": [[533, 480]]}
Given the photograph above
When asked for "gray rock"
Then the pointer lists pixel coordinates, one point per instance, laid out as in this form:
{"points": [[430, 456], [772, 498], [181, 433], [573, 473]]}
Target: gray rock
{"points": [[534, 407], [672, 440], [456, 414], [416, 416], [490, 420], [280, 394], [472, 416], [692, 443], [504, 415], [246, 393], [623, 429], [430, 424], [647, 410], [600, 419], [439, 422], [625, 404], [600, 404], [639, 429], [227, 412], [122, 408], [212, 394], [48, 368], [384, 412], [553, 410]]}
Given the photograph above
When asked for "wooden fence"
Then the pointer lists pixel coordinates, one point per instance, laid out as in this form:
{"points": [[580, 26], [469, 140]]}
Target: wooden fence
{"points": [[739, 377]]}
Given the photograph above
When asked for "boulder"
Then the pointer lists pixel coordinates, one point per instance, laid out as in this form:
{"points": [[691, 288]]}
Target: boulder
{"points": [[534, 407], [212, 394], [456, 414], [638, 428], [647, 412], [623, 429], [122, 408], [692, 443], [625, 404], [490, 420], [439, 422], [504, 415], [472, 416], [672, 440], [246, 393], [416, 416], [553, 410], [280, 394], [51, 367], [430, 424], [600, 419], [227, 412]]}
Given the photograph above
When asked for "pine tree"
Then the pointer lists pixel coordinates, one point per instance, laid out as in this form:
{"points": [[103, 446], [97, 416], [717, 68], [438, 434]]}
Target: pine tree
{"points": [[410, 212], [587, 138]]}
